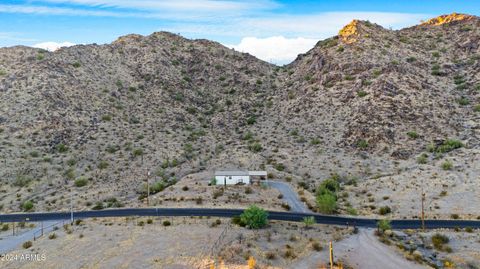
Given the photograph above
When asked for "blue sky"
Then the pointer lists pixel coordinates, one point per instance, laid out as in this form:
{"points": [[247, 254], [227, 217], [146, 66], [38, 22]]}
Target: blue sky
{"points": [[272, 30]]}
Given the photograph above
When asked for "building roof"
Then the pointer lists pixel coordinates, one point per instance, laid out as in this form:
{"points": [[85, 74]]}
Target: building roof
{"points": [[258, 173], [232, 173]]}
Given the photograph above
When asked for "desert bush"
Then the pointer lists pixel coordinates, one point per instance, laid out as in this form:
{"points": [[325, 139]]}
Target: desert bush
{"points": [[254, 217], [448, 145], [439, 240], [107, 117], [316, 246], [352, 211], [286, 206], [137, 152], [412, 134], [61, 148], [384, 225], [270, 255], [102, 165], [52, 236], [185, 188], [361, 93], [166, 223], [81, 182], [362, 144], [422, 159], [21, 181], [447, 165], [98, 206], [384, 210], [27, 244], [327, 203], [27, 206], [309, 221], [463, 101], [251, 120], [255, 147], [280, 166]]}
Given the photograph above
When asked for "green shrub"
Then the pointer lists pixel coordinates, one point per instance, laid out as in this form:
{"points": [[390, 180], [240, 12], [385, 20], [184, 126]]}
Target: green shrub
{"points": [[81, 182], [447, 165], [363, 144], [27, 206], [411, 59], [309, 221], [412, 134], [439, 240], [102, 165], [137, 152], [62, 148], [112, 148], [251, 120], [22, 181], [477, 108], [5, 227], [254, 217], [352, 211], [449, 145], [98, 206], [383, 225], [315, 141], [327, 203], [166, 223], [362, 93], [27, 244], [384, 210], [463, 101], [106, 118], [52, 236], [76, 64], [279, 166], [255, 147]]}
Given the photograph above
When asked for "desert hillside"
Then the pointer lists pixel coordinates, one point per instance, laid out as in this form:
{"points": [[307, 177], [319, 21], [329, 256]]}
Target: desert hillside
{"points": [[377, 107]]}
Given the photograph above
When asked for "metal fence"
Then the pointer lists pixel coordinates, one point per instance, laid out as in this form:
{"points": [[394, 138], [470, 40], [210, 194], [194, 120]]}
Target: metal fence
{"points": [[40, 232]]}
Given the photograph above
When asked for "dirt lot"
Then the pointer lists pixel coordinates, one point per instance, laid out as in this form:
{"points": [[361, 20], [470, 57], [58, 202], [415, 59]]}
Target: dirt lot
{"points": [[186, 243]]}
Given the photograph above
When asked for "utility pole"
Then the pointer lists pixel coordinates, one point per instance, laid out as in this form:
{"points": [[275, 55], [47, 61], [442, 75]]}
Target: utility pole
{"points": [[423, 210], [71, 207], [331, 255], [148, 188]]}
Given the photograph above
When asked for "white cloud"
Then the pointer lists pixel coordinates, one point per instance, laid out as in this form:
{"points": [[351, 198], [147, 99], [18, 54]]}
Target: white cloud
{"points": [[52, 46], [275, 49], [178, 5]]}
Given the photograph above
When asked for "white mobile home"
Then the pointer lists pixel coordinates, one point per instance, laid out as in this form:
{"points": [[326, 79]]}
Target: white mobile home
{"points": [[232, 177]]}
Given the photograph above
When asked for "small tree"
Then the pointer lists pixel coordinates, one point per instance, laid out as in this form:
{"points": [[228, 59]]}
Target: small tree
{"points": [[309, 221], [254, 217], [27, 205], [383, 225], [327, 203]]}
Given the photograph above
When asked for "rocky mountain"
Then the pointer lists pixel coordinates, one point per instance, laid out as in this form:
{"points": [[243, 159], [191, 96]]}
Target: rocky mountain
{"points": [[362, 103]]}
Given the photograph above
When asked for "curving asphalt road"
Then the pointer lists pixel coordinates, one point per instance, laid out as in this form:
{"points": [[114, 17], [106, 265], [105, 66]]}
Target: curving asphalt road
{"points": [[228, 213], [289, 196]]}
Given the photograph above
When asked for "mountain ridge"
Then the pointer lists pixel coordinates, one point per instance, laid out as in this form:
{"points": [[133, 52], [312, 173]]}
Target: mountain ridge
{"points": [[108, 113]]}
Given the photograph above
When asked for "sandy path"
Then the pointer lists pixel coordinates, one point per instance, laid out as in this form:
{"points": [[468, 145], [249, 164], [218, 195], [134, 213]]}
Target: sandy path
{"points": [[362, 251]]}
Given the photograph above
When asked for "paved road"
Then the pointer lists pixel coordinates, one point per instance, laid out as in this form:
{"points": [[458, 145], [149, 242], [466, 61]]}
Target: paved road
{"points": [[228, 213], [289, 196]]}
